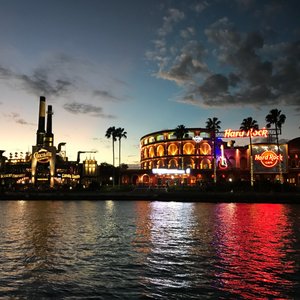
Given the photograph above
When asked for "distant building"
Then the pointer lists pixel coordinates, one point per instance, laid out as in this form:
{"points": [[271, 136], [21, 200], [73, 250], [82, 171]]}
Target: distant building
{"points": [[47, 166]]}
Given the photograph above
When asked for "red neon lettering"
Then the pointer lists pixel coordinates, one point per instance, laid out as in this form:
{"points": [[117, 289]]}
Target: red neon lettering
{"points": [[229, 133]]}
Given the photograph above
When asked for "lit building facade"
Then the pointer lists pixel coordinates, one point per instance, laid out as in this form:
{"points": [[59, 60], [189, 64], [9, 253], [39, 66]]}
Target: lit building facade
{"points": [[188, 160], [167, 160], [47, 166]]}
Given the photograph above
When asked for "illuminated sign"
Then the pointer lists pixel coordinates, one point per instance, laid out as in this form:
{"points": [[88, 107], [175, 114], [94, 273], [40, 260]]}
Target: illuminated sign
{"points": [[43, 156], [268, 158], [197, 138], [222, 161], [229, 133], [170, 171], [73, 176]]}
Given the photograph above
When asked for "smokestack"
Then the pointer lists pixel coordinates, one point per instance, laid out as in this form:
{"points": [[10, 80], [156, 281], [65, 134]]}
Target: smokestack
{"points": [[48, 138], [41, 125]]}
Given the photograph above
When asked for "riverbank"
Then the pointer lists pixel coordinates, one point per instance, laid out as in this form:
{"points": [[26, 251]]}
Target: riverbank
{"points": [[159, 195]]}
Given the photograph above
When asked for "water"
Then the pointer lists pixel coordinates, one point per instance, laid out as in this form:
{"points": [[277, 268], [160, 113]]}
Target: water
{"points": [[148, 250]]}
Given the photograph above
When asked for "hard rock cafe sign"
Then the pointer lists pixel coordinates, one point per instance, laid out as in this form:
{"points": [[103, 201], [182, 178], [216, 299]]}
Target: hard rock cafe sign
{"points": [[268, 158], [229, 133], [43, 156]]}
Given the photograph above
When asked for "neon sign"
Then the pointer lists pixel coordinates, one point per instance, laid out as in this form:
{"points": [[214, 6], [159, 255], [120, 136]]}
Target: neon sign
{"points": [[229, 133], [222, 161], [268, 158], [43, 156]]}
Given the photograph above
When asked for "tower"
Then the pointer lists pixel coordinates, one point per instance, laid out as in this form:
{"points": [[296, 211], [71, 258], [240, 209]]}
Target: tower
{"points": [[44, 152], [49, 137], [41, 122]]}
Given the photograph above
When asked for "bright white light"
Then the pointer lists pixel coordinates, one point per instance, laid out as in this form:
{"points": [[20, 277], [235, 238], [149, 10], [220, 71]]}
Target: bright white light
{"points": [[167, 171], [197, 138]]}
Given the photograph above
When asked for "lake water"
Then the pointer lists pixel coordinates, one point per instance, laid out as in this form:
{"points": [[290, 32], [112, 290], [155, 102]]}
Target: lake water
{"points": [[148, 250]]}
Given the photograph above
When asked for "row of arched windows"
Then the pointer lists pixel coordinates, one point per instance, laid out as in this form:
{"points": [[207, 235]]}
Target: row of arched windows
{"points": [[194, 163], [173, 149], [175, 164]]}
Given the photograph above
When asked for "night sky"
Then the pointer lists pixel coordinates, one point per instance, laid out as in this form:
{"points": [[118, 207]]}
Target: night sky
{"points": [[145, 66]]}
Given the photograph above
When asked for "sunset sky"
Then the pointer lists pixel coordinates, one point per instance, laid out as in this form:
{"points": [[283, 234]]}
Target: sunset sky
{"points": [[144, 65]]}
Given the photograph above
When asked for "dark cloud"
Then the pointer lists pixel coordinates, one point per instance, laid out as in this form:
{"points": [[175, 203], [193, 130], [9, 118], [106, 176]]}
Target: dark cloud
{"points": [[86, 109], [37, 83], [104, 95], [224, 66]]}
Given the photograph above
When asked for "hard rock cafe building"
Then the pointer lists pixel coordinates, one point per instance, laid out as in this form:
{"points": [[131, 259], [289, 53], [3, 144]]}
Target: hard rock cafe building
{"points": [[166, 160]]}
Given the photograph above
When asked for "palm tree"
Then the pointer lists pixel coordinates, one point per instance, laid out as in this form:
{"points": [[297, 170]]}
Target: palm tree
{"points": [[180, 132], [249, 125], [120, 133], [213, 124], [277, 118], [111, 133]]}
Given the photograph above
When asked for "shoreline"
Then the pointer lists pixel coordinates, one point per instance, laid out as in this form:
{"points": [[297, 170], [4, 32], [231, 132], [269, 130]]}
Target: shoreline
{"points": [[178, 196]]}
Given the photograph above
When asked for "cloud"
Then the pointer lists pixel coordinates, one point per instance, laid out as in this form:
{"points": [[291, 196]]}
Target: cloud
{"points": [[224, 66], [104, 95], [38, 82], [201, 6], [86, 109], [173, 16], [17, 119], [186, 65]]}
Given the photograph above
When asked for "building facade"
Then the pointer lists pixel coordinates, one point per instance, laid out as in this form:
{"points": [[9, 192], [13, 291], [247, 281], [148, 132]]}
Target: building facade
{"points": [[168, 160]]}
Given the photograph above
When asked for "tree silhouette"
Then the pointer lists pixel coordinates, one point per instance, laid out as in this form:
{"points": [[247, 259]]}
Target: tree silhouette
{"points": [[120, 133], [180, 132], [276, 118], [213, 124], [249, 124], [111, 133]]}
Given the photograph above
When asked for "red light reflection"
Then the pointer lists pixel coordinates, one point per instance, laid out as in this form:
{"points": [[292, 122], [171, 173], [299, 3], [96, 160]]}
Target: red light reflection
{"points": [[252, 242]]}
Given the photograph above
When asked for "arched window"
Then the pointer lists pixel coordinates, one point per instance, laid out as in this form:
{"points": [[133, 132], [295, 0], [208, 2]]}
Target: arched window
{"points": [[188, 149], [151, 152], [145, 179], [160, 164], [205, 149], [172, 149], [160, 150], [190, 163], [151, 165], [173, 164], [145, 153], [205, 164], [151, 139]]}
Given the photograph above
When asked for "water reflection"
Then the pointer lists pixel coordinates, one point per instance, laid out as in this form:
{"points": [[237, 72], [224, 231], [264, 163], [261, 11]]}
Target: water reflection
{"points": [[148, 250], [251, 241]]}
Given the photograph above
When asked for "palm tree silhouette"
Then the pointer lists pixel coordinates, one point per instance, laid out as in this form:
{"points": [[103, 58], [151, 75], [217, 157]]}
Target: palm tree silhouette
{"points": [[213, 124], [248, 125], [277, 118], [111, 133], [120, 133], [180, 132]]}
